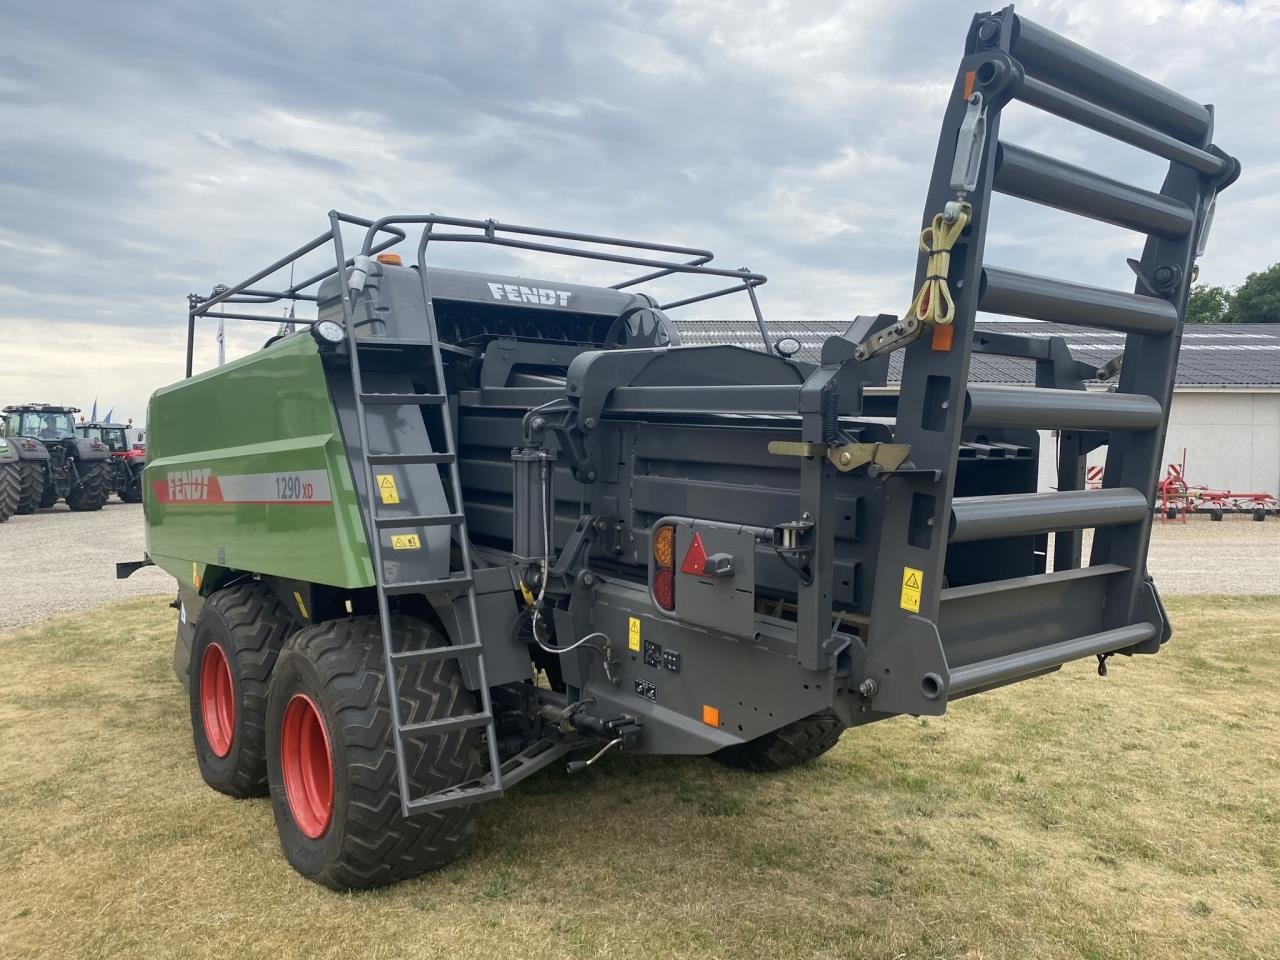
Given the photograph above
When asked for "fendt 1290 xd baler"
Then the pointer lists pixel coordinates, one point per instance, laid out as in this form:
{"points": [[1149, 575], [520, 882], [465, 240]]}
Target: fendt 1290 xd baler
{"points": [[462, 526]]}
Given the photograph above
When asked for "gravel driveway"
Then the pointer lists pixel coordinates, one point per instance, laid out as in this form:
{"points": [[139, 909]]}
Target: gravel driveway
{"points": [[56, 561]]}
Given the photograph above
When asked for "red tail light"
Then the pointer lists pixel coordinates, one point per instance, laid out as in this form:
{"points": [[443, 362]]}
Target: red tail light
{"points": [[664, 589]]}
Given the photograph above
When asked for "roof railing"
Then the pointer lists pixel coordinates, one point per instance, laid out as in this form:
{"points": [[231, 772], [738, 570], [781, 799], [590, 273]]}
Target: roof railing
{"points": [[385, 233]]}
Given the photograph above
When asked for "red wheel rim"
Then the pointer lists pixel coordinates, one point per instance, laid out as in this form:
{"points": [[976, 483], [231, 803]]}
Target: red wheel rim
{"points": [[307, 766], [217, 700]]}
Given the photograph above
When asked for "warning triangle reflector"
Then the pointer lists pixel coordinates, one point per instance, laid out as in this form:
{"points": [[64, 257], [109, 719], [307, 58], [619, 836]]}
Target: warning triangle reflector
{"points": [[695, 561]]}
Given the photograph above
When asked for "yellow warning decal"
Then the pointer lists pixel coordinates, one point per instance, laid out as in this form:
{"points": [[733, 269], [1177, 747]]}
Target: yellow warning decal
{"points": [[387, 488], [302, 607], [633, 634], [195, 575], [405, 541], [912, 583]]}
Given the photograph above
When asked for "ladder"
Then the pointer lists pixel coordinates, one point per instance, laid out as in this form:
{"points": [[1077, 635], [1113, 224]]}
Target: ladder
{"points": [[931, 642], [490, 785]]}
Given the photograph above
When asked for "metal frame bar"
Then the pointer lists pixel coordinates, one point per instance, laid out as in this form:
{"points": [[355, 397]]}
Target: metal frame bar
{"points": [[696, 264]]}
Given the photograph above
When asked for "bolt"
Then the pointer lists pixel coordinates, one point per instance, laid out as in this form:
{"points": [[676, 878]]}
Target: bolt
{"points": [[587, 578], [846, 458], [539, 423], [589, 422], [591, 475], [898, 329], [600, 523], [868, 688], [988, 30]]}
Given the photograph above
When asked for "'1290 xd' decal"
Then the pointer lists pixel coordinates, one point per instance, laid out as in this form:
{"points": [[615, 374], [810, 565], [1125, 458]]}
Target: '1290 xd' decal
{"points": [[204, 486]]}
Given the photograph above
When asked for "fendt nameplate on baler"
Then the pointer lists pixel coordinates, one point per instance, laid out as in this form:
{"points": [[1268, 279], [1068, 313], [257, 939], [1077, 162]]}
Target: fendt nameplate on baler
{"points": [[462, 525]]}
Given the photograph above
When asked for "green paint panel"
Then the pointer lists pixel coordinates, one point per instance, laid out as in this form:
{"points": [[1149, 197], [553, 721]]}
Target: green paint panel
{"points": [[246, 470]]}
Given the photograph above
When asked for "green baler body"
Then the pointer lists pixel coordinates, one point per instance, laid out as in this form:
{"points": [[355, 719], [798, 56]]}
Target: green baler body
{"points": [[246, 470]]}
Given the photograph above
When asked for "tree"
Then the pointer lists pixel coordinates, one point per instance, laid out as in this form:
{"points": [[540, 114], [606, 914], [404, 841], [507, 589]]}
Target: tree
{"points": [[1208, 304], [1257, 300]]}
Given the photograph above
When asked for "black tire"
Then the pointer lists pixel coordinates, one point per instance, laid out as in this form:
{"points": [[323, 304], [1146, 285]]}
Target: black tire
{"points": [[1216, 514], [10, 490], [1259, 514], [796, 743], [336, 669], [1171, 513], [250, 625], [94, 486], [132, 493], [32, 486]]}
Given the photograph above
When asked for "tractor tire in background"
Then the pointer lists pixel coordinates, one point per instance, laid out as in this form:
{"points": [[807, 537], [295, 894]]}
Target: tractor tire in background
{"points": [[788, 746], [10, 490], [93, 489], [331, 762], [237, 639], [32, 486], [133, 492]]}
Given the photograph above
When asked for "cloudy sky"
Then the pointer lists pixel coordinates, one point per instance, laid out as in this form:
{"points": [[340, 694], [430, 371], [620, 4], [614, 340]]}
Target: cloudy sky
{"points": [[151, 149]]}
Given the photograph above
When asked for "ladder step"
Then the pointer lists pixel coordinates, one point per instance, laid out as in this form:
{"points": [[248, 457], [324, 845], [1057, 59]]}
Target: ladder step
{"points": [[403, 399], [1020, 514], [1045, 408], [1066, 64], [1038, 659], [1017, 294], [448, 724], [438, 653], [426, 586], [454, 797], [384, 343], [439, 520], [391, 459], [1070, 107], [1032, 176]]}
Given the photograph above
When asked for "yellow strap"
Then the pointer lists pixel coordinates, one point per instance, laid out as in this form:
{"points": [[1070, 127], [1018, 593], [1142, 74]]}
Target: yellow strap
{"points": [[933, 304]]}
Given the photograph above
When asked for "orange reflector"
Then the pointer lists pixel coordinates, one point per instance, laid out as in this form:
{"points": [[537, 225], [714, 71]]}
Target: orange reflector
{"points": [[943, 338], [710, 716], [390, 259], [664, 547], [968, 83]]}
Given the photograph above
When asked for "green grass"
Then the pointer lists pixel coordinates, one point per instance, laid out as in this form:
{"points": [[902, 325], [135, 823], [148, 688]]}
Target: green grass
{"points": [[1066, 817]]}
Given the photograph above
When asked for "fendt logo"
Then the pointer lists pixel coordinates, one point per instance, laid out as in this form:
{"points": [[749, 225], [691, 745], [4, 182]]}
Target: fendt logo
{"points": [[189, 485], [517, 294]]}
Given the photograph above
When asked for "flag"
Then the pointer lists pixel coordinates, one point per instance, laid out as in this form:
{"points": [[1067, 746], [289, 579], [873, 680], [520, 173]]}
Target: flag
{"points": [[222, 351], [94, 415], [107, 418]]}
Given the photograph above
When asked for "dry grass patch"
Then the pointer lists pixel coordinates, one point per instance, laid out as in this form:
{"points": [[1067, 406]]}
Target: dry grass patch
{"points": [[1067, 817]]}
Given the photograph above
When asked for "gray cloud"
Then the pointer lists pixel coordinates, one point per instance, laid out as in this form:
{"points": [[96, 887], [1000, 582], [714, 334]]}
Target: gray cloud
{"points": [[151, 149]]}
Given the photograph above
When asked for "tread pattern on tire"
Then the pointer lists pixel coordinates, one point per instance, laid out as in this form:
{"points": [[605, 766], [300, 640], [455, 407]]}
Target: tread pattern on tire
{"points": [[10, 490], [381, 845], [259, 625], [93, 489], [32, 485], [796, 743]]}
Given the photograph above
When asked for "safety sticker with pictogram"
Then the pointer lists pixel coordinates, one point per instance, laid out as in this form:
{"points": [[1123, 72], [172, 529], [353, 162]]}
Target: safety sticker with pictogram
{"points": [[387, 488], [912, 583]]}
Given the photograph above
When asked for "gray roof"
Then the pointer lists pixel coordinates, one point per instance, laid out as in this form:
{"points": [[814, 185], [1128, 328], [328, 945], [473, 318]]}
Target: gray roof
{"points": [[1219, 355]]}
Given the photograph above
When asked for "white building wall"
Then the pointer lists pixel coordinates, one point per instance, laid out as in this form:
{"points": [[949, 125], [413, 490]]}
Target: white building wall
{"points": [[1232, 439]]}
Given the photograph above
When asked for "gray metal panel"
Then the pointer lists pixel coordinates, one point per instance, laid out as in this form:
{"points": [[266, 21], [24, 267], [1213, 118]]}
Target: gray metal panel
{"points": [[726, 604]]}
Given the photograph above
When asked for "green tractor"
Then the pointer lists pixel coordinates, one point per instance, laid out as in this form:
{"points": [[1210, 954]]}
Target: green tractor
{"points": [[53, 462]]}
